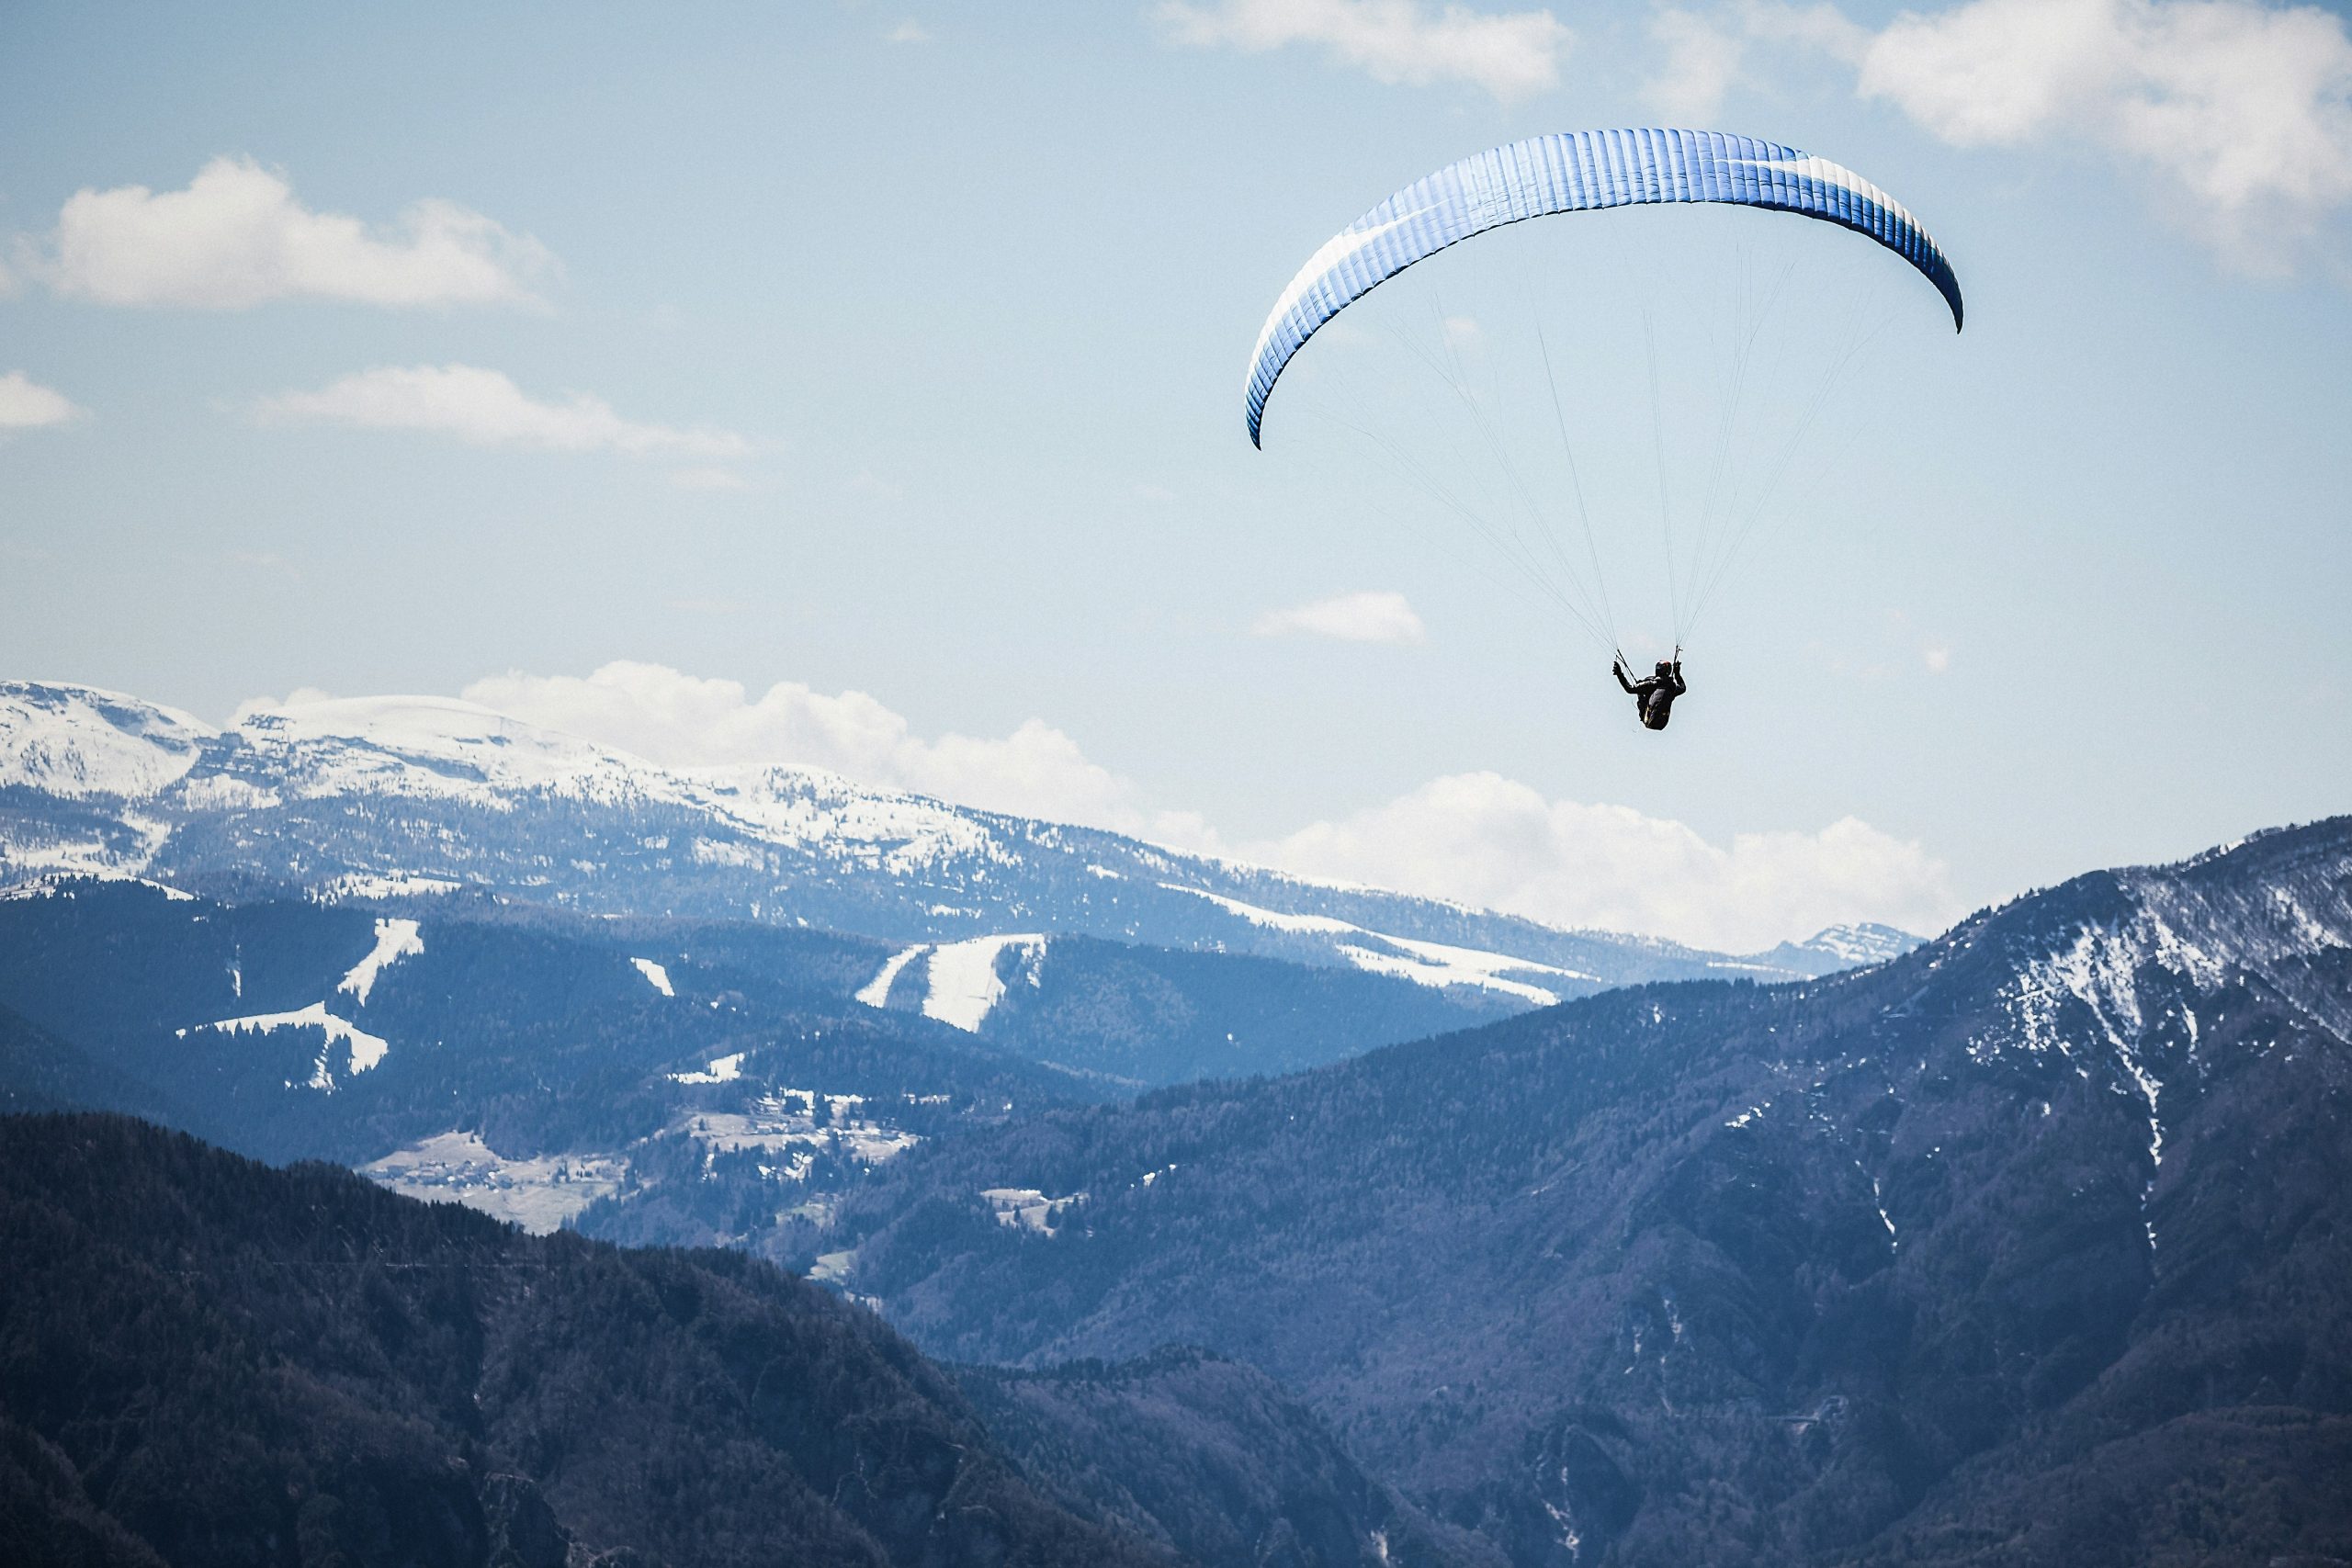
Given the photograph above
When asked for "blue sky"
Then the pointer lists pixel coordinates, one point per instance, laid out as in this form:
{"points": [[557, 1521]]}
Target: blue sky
{"points": [[860, 385]]}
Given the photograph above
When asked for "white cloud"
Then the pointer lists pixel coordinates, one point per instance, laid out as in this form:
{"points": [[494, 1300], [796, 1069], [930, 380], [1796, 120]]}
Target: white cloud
{"points": [[687, 721], [1476, 838], [1703, 64], [908, 32], [236, 237], [2246, 108], [1488, 841], [2240, 112], [26, 404], [300, 697], [1937, 658], [1349, 618], [483, 408], [1511, 54]]}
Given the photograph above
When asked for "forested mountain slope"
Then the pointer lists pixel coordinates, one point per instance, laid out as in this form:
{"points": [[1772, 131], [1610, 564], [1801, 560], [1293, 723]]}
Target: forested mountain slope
{"points": [[206, 1361], [1210, 1458], [203, 1360], [2028, 1247], [533, 1064], [347, 1005], [658, 1081]]}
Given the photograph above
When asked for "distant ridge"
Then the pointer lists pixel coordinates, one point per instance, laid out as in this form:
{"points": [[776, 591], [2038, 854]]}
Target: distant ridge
{"points": [[400, 798]]}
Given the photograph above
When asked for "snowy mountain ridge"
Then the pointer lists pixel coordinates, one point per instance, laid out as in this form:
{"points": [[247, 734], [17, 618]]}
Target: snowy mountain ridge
{"points": [[1920, 1253], [2139, 988], [395, 798]]}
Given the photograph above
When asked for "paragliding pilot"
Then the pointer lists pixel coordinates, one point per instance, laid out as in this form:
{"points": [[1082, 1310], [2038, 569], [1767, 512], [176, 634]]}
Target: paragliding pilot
{"points": [[1652, 695]]}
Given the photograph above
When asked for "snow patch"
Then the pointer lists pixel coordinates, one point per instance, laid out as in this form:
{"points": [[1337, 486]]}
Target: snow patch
{"points": [[395, 940], [226, 792], [1437, 964], [876, 992], [356, 886], [1273, 919], [1433, 964], [365, 1049], [56, 885], [722, 1070], [963, 984], [656, 975]]}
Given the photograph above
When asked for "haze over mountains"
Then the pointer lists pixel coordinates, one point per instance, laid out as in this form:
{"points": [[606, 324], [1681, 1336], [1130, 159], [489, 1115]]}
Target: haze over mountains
{"points": [[1263, 1223]]}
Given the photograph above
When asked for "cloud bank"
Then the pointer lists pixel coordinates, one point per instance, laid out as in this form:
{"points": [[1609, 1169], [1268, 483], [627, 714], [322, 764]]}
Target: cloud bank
{"points": [[1511, 54], [1349, 617], [236, 238], [484, 408], [682, 720], [26, 404], [1476, 838], [2244, 110], [2238, 113], [1484, 839]]}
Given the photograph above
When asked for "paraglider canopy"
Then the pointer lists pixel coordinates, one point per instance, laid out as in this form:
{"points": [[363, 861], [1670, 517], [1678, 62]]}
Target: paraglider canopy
{"points": [[1574, 171]]}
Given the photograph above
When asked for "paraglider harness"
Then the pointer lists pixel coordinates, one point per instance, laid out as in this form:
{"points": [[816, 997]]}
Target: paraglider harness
{"points": [[1652, 695]]}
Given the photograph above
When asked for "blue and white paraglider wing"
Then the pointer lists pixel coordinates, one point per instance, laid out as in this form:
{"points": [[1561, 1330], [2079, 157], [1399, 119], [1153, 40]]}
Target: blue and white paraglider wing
{"points": [[1576, 172]]}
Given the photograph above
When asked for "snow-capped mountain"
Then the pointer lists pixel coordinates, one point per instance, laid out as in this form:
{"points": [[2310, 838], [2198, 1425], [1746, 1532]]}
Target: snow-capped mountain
{"points": [[1909, 1261], [398, 798]]}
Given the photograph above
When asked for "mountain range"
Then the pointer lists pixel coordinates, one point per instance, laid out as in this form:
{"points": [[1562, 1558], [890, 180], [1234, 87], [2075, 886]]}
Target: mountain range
{"points": [[658, 1080], [2025, 1248], [406, 798], [1229, 1219]]}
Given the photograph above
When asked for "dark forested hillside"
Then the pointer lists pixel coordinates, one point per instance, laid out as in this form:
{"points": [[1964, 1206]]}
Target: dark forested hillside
{"points": [[41, 1072], [1211, 1459], [2027, 1247], [207, 1361], [1141, 1016]]}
